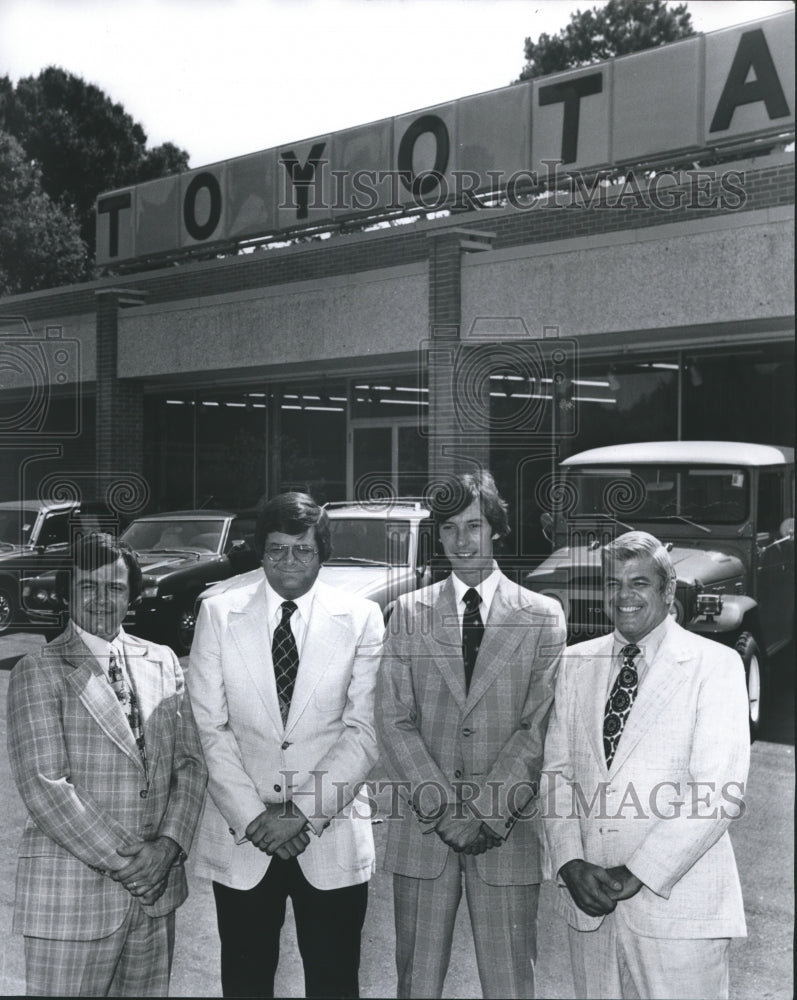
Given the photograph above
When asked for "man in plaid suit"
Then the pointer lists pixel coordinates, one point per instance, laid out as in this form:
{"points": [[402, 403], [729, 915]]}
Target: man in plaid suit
{"points": [[463, 698], [105, 754]]}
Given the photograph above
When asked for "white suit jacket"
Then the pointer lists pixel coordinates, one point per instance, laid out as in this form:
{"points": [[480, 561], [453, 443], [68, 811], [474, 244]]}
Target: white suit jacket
{"points": [[326, 748], [675, 783]]}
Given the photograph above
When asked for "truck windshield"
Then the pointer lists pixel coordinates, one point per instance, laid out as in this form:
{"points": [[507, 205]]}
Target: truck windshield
{"points": [[705, 495]]}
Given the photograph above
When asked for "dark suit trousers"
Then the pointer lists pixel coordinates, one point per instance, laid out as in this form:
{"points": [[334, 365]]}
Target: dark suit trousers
{"points": [[328, 927]]}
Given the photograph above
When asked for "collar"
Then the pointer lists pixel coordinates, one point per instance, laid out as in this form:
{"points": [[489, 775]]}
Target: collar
{"points": [[649, 645], [486, 589], [101, 648], [304, 604]]}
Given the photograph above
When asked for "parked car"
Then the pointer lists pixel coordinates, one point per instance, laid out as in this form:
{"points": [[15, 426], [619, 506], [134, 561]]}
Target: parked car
{"points": [[35, 536], [380, 550], [726, 512], [181, 553]]}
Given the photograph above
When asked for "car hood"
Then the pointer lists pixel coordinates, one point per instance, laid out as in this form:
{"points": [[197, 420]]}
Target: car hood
{"points": [[691, 565], [160, 564]]}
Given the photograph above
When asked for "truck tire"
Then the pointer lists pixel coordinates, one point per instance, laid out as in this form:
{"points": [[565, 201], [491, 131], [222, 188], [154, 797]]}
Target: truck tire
{"points": [[756, 678]]}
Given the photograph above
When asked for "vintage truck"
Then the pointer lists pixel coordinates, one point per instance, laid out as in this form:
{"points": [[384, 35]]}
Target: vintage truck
{"points": [[724, 509]]}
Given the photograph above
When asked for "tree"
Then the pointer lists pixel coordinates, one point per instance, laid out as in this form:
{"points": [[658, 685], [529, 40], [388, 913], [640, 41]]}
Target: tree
{"points": [[81, 141], [40, 244], [622, 26]]}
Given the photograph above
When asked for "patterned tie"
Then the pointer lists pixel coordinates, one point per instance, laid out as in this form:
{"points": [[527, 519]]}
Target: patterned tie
{"points": [[618, 705], [127, 699], [472, 633], [285, 657]]}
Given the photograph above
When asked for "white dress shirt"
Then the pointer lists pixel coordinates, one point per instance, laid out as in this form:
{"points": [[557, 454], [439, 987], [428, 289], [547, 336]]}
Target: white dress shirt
{"points": [[299, 620], [649, 646], [486, 590]]}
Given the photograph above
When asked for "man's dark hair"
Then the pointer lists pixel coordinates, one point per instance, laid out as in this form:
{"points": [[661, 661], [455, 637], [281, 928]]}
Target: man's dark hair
{"points": [[452, 496], [89, 553], [293, 514]]}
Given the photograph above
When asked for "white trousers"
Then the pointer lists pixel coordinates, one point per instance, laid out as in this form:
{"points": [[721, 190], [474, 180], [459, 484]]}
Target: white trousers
{"points": [[614, 962]]}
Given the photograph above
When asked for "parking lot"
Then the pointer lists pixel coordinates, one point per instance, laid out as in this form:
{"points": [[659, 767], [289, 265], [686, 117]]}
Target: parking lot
{"points": [[761, 965]]}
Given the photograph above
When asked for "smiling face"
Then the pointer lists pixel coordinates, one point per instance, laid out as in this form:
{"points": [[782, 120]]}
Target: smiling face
{"points": [[288, 576], [467, 541], [634, 598], [99, 598]]}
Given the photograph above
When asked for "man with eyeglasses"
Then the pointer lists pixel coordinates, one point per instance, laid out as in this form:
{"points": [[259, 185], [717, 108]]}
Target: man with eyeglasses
{"points": [[282, 680]]}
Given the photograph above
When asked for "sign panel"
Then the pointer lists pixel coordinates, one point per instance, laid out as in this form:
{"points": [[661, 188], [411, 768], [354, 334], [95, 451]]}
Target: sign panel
{"points": [[726, 87]]}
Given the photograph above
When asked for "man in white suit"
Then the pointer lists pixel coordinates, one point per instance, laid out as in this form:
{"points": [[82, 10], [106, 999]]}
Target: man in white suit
{"points": [[464, 694], [645, 764], [282, 678]]}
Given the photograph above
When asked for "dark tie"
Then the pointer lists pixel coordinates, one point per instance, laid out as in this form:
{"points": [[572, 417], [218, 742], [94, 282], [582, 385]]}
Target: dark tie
{"points": [[618, 705], [286, 659], [472, 633], [127, 699]]}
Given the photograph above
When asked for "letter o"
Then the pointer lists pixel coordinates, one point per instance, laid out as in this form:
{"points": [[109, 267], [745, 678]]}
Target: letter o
{"points": [[203, 180], [426, 123]]}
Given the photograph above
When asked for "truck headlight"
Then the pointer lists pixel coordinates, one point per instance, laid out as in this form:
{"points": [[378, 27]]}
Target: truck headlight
{"points": [[709, 604]]}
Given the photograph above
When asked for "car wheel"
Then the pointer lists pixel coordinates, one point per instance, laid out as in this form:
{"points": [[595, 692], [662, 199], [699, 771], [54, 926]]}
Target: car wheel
{"points": [[183, 632], [8, 607], [755, 676]]}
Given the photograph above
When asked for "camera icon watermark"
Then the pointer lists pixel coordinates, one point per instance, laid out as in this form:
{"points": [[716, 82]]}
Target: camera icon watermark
{"points": [[39, 382]]}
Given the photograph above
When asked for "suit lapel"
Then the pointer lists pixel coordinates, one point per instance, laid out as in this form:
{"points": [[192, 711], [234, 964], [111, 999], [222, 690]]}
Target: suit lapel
{"points": [[663, 678], [97, 696], [324, 633], [446, 639], [249, 630], [500, 640], [147, 677], [591, 694]]}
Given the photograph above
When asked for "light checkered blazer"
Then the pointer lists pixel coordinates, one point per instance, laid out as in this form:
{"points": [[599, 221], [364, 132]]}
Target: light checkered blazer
{"points": [[79, 773], [688, 725], [432, 734]]}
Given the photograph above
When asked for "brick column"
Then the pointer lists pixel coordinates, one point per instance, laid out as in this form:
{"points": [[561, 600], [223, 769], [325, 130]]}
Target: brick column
{"points": [[452, 446], [120, 403]]}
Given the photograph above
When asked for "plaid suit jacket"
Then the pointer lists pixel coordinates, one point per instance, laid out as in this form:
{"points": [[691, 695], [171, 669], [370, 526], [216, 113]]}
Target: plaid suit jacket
{"points": [[486, 745], [80, 775]]}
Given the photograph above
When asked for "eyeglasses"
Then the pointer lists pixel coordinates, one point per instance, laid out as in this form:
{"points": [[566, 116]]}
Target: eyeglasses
{"points": [[302, 553]]}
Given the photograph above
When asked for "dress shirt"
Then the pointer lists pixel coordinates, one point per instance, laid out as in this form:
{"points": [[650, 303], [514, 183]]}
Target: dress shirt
{"points": [[299, 620], [648, 648], [486, 590], [101, 650]]}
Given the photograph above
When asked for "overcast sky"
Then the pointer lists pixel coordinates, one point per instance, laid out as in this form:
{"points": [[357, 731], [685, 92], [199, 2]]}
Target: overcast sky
{"points": [[221, 78]]}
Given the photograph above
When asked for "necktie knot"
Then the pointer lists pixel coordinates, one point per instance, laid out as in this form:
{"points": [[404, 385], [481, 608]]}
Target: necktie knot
{"points": [[472, 600], [288, 607], [630, 652]]}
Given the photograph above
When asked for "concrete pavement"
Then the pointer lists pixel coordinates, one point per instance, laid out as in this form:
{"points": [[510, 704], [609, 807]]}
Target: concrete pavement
{"points": [[761, 966]]}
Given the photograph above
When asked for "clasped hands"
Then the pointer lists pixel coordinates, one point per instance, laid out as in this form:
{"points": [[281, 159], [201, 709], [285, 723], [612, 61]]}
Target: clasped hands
{"points": [[146, 874], [596, 890], [279, 830], [465, 833]]}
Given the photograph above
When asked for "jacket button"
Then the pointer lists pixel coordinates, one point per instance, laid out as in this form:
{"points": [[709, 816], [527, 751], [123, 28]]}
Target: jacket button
{"points": [[457, 774], [143, 793], [231, 830], [277, 788], [467, 732], [285, 745]]}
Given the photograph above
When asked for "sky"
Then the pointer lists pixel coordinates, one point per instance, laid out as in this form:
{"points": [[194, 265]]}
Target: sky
{"points": [[221, 78]]}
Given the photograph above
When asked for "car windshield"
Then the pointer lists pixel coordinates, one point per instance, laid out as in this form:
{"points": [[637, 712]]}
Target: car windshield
{"points": [[16, 526], [170, 534], [370, 541], [703, 495]]}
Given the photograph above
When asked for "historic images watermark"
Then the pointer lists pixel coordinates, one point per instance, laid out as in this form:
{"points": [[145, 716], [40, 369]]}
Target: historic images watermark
{"points": [[320, 187], [555, 797]]}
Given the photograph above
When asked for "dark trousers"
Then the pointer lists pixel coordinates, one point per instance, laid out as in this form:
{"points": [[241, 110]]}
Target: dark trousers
{"points": [[328, 927]]}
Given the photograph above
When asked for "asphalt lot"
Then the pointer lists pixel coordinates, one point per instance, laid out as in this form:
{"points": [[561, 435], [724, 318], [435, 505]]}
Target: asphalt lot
{"points": [[761, 965]]}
